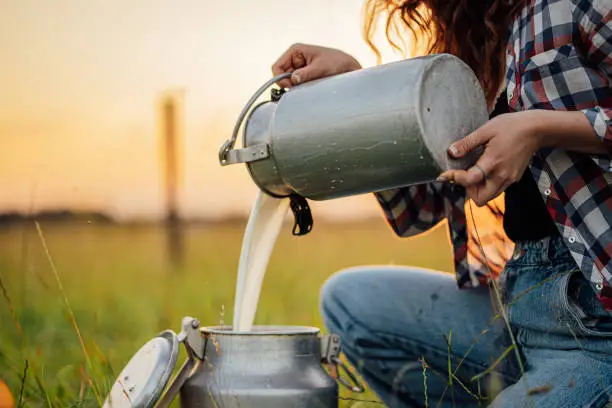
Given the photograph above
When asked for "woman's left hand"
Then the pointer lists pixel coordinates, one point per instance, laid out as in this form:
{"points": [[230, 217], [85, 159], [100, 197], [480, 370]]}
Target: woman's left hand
{"points": [[509, 142]]}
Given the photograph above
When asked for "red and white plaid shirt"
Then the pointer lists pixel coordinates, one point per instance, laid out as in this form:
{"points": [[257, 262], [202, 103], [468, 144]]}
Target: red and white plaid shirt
{"points": [[559, 56]]}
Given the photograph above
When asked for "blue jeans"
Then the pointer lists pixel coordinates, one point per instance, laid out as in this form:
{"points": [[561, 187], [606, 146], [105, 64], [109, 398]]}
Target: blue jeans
{"points": [[419, 341]]}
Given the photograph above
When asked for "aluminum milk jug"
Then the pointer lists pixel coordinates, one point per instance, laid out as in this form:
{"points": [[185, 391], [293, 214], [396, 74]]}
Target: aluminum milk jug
{"points": [[365, 131], [268, 367]]}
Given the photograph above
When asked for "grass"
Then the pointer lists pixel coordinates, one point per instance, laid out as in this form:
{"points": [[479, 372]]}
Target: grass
{"points": [[119, 291]]}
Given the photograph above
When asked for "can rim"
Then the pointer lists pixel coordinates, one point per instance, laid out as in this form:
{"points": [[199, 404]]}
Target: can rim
{"points": [[260, 331]]}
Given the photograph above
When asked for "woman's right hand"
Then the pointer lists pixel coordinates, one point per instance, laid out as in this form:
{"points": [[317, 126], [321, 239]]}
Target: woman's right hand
{"points": [[310, 62]]}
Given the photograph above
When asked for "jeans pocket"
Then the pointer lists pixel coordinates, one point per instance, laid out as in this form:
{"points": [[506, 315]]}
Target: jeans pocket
{"points": [[587, 317], [536, 299]]}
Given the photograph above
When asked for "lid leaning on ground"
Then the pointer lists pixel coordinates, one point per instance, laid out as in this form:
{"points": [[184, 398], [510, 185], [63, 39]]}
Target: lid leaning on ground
{"points": [[144, 378]]}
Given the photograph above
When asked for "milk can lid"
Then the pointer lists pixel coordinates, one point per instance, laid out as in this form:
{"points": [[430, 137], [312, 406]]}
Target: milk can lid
{"points": [[144, 378]]}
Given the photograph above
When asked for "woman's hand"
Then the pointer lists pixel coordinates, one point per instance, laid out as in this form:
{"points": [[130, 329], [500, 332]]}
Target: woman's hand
{"points": [[509, 141], [310, 62]]}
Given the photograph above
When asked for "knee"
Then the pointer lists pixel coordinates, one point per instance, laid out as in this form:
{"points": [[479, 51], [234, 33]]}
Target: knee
{"points": [[333, 297], [331, 294], [340, 298]]}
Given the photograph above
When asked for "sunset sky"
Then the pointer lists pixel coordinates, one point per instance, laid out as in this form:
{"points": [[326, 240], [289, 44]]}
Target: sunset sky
{"points": [[80, 84]]}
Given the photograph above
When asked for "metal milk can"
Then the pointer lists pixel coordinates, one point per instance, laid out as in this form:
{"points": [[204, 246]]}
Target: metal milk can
{"points": [[269, 367], [360, 132]]}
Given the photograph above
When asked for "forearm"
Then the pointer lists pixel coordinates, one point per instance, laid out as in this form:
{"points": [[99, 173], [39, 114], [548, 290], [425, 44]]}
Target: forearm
{"points": [[567, 130]]}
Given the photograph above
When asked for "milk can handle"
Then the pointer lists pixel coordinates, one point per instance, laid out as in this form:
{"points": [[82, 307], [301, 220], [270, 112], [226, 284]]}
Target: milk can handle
{"points": [[330, 352], [356, 385], [229, 144]]}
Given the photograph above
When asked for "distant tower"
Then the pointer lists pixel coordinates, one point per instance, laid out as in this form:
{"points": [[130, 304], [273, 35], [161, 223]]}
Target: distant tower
{"points": [[171, 140]]}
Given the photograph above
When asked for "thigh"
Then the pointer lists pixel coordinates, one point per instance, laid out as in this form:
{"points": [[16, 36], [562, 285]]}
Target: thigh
{"points": [[391, 317], [560, 379]]}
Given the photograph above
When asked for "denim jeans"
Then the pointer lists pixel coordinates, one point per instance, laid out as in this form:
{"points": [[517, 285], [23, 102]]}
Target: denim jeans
{"points": [[418, 340]]}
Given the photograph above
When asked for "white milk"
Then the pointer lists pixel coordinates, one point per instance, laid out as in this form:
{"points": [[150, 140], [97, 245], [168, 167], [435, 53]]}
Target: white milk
{"points": [[261, 232]]}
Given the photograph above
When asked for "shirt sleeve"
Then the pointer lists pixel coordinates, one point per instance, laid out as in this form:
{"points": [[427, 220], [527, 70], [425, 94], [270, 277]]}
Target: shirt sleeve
{"points": [[415, 209], [594, 20]]}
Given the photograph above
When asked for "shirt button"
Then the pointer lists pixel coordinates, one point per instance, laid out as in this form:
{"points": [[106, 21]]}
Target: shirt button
{"points": [[599, 286], [547, 192], [572, 240]]}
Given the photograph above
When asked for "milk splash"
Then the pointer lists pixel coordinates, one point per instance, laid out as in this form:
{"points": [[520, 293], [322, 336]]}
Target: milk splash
{"points": [[262, 230]]}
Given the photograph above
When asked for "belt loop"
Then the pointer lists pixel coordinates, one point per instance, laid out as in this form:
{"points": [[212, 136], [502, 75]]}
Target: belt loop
{"points": [[518, 250], [547, 249]]}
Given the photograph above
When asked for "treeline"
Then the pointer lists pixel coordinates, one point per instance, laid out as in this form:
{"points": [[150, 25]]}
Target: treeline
{"points": [[54, 216]]}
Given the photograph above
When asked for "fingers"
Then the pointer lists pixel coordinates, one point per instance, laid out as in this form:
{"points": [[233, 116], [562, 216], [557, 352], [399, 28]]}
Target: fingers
{"points": [[463, 146], [479, 181], [293, 58], [472, 177], [285, 62], [308, 73], [481, 186], [310, 62], [467, 178]]}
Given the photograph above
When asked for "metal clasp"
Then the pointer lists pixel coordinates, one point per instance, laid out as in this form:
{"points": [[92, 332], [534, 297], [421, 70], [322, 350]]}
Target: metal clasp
{"points": [[247, 154], [330, 355], [229, 155], [195, 345]]}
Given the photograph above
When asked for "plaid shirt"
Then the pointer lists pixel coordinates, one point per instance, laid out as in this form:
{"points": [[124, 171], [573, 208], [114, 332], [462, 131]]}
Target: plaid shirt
{"points": [[559, 56]]}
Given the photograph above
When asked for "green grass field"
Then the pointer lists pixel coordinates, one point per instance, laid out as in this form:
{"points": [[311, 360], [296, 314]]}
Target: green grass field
{"points": [[122, 292]]}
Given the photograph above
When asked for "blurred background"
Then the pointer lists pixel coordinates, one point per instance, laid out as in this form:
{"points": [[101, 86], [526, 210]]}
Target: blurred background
{"points": [[82, 83], [116, 218]]}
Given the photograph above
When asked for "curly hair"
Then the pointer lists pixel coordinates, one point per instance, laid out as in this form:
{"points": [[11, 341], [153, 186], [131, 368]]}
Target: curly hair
{"points": [[473, 30]]}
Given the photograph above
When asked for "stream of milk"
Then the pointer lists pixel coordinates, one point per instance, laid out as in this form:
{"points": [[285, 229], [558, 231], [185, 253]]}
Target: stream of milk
{"points": [[261, 232]]}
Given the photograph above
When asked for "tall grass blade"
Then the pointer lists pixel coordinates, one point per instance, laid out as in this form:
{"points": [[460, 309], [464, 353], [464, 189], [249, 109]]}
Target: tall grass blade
{"points": [[449, 368], [23, 382], [501, 305], [425, 381], [68, 307], [495, 363], [43, 390], [7, 298]]}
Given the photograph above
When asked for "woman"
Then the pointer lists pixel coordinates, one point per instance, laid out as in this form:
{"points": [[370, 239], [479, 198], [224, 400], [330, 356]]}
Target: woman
{"points": [[540, 334]]}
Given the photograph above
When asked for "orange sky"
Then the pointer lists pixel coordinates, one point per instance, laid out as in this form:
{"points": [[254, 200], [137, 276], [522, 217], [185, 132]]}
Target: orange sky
{"points": [[79, 84]]}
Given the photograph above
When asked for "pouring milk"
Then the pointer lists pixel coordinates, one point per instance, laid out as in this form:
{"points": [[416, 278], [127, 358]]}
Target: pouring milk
{"points": [[262, 230], [337, 137]]}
